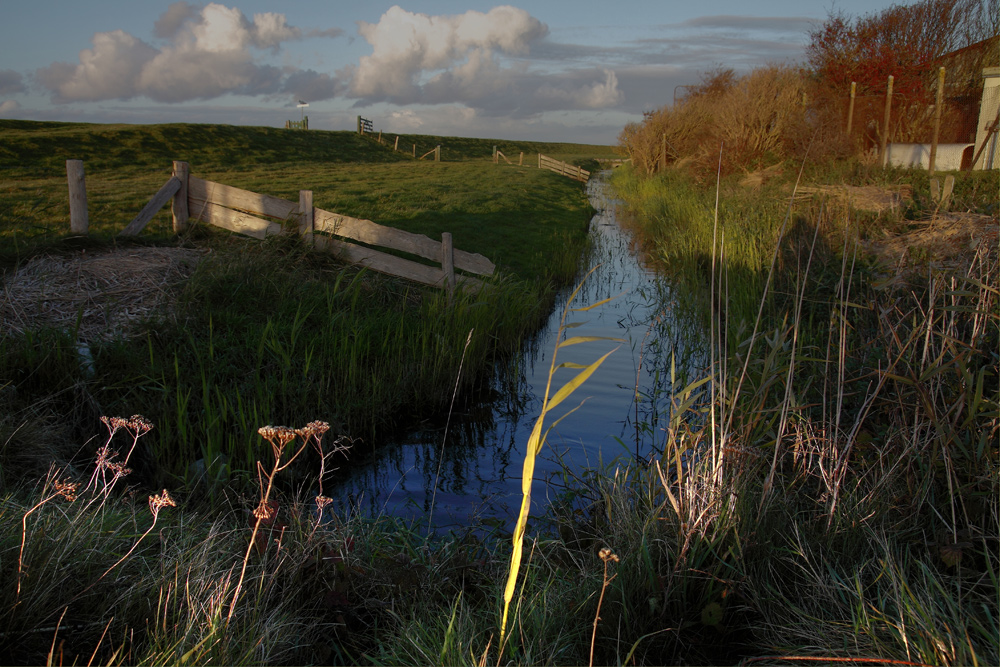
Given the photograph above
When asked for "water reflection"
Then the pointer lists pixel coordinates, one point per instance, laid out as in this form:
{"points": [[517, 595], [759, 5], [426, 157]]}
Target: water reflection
{"points": [[476, 465]]}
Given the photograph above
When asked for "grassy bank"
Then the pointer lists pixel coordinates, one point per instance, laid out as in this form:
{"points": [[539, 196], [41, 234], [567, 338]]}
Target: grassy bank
{"points": [[270, 332], [853, 479]]}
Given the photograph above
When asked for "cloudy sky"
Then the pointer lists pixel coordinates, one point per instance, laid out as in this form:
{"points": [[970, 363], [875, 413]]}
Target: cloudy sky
{"points": [[562, 71]]}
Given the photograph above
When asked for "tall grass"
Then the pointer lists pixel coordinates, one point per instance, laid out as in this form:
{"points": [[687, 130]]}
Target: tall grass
{"points": [[876, 539]]}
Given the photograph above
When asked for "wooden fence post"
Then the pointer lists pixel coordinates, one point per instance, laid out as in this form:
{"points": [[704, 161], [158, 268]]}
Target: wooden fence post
{"points": [[937, 121], [520, 160], [663, 153], [437, 153], [179, 204], [850, 107], [395, 146], [414, 151], [78, 221], [883, 158], [307, 215], [448, 262]]}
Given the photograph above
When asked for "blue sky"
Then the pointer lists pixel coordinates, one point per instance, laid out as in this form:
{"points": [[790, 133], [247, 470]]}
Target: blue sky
{"points": [[559, 71]]}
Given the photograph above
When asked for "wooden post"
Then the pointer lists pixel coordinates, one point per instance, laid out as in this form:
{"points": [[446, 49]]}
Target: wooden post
{"points": [[520, 160], [78, 222], [395, 147], [359, 125], [850, 107], [414, 151], [539, 160], [937, 121], [306, 215], [380, 137], [663, 153], [437, 153], [179, 205], [883, 158], [448, 263]]}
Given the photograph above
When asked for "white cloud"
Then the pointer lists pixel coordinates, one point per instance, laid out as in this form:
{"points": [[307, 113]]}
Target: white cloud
{"points": [[599, 95], [9, 107], [210, 52], [109, 70], [405, 120], [408, 46]]}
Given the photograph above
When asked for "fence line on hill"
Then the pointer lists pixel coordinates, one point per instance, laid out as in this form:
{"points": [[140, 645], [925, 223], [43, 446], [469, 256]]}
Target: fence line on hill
{"points": [[260, 215]]}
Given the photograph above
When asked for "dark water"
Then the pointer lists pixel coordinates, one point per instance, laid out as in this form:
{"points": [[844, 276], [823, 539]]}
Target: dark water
{"points": [[476, 466]]}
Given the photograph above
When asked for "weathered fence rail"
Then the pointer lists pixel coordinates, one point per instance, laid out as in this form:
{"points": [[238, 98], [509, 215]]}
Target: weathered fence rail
{"points": [[260, 215], [564, 168]]}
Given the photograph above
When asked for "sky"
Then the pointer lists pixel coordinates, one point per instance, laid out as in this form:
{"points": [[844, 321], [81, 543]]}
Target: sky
{"points": [[574, 71]]}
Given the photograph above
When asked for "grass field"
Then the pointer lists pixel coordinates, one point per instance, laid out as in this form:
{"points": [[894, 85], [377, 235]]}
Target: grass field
{"points": [[361, 350]]}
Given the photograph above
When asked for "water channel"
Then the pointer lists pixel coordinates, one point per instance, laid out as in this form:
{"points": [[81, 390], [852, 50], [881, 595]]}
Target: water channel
{"points": [[475, 462]]}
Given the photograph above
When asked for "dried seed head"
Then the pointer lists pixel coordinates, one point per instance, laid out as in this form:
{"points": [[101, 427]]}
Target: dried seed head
{"points": [[159, 501], [140, 425], [277, 435], [322, 502], [607, 555], [285, 435], [118, 469], [318, 428], [66, 489], [266, 510]]}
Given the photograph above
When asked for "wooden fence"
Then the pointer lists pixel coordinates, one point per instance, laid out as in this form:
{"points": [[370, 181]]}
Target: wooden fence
{"points": [[564, 168], [260, 216]]}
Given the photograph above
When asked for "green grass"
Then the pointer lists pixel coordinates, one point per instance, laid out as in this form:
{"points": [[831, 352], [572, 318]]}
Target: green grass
{"points": [[269, 332], [513, 215], [829, 492]]}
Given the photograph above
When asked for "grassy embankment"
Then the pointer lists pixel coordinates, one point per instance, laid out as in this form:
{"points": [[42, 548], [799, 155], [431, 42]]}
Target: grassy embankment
{"points": [[267, 332], [264, 333], [854, 438]]}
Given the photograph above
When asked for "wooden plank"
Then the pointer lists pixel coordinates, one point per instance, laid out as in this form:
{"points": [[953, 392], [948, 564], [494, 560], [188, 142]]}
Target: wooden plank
{"points": [[372, 233], [179, 205], [306, 222], [563, 168], [382, 262], [236, 221], [201, 191], [165, 194], [448, 262], [392, 265], [78, 221]]}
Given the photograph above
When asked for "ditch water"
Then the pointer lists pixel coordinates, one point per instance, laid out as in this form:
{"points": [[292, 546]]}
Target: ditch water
{"points": [[475, 463]]}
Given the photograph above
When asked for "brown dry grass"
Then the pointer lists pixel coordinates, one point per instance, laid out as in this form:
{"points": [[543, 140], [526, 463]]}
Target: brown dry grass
{"points": [[108, 290], [947, 242], [874, 198]]}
